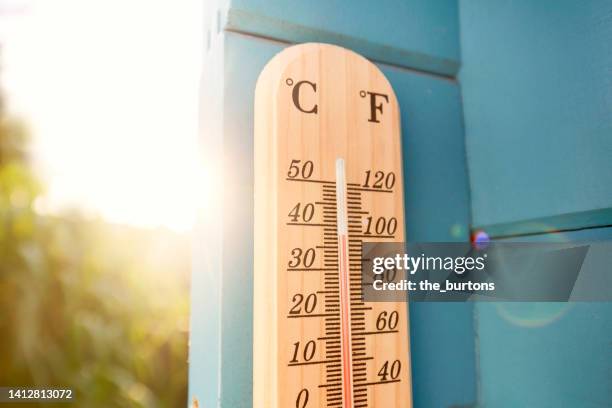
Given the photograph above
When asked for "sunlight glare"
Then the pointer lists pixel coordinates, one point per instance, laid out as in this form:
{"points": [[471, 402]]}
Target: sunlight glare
{"points": [[110, 91]]}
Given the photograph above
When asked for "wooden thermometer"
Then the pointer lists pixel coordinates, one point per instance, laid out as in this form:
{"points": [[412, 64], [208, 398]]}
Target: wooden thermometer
{"points": [[328, 176]]}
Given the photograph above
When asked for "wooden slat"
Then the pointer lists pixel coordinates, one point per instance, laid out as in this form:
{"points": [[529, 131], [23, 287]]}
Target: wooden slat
{"points": [[425, 34]]}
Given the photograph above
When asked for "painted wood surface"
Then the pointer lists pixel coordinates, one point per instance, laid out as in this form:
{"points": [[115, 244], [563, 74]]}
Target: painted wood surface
{"points": [[425, 34], [436, 200], [328, 174], [538, 112], [546, 354]]}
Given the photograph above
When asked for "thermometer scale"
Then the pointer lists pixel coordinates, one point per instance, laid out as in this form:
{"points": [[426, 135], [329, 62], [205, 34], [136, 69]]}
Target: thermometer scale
{"points": [[328, 177]]}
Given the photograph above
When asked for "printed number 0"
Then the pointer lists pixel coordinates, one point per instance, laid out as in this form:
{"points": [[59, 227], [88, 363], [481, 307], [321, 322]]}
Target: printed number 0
{"points": [[302, 398]]}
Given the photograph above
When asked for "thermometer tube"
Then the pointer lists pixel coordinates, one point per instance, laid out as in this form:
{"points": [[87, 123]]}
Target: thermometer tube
{"points": [[345, 294]]}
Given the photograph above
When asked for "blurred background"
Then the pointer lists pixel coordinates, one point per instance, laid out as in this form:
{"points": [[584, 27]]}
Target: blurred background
{"points": [[100, 183]]}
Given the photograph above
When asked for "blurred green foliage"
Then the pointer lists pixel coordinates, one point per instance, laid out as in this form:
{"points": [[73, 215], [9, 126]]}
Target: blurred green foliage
{"points": [[99, 308]]}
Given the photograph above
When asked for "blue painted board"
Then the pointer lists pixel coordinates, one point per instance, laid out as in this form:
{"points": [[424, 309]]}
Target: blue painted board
{"points": [[435, 172], [537, 98], [546, 354], [420, 34], [220, 360], [222, 286], [551, 223], [437, 209], [443, 355]]}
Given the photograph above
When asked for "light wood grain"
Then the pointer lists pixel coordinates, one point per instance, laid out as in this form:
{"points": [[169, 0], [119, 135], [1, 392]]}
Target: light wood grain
{"points": [[341, 128]]}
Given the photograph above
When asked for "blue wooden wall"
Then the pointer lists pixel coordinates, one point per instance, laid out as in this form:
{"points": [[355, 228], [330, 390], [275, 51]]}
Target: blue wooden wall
{"points": [[424, 35], [546, 354], [538, 113], [419, 57], [537, 99]]}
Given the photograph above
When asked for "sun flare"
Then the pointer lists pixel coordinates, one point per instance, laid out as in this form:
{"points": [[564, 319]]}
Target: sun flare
{"points": [[110, 91]]}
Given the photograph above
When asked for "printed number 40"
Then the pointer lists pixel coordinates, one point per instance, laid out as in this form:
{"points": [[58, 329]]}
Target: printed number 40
{"points": [[392, 371]]}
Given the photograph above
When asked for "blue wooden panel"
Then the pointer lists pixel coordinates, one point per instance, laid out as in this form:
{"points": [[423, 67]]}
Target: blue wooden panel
{"points": [[437, 197], [437, 210], [546, 354], [553, 223], [421, 34], [537, 100], [443, 357], [220, 361]]}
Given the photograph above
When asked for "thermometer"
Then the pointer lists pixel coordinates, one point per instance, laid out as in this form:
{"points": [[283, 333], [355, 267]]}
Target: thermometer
{"points": [[328, 177]]}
